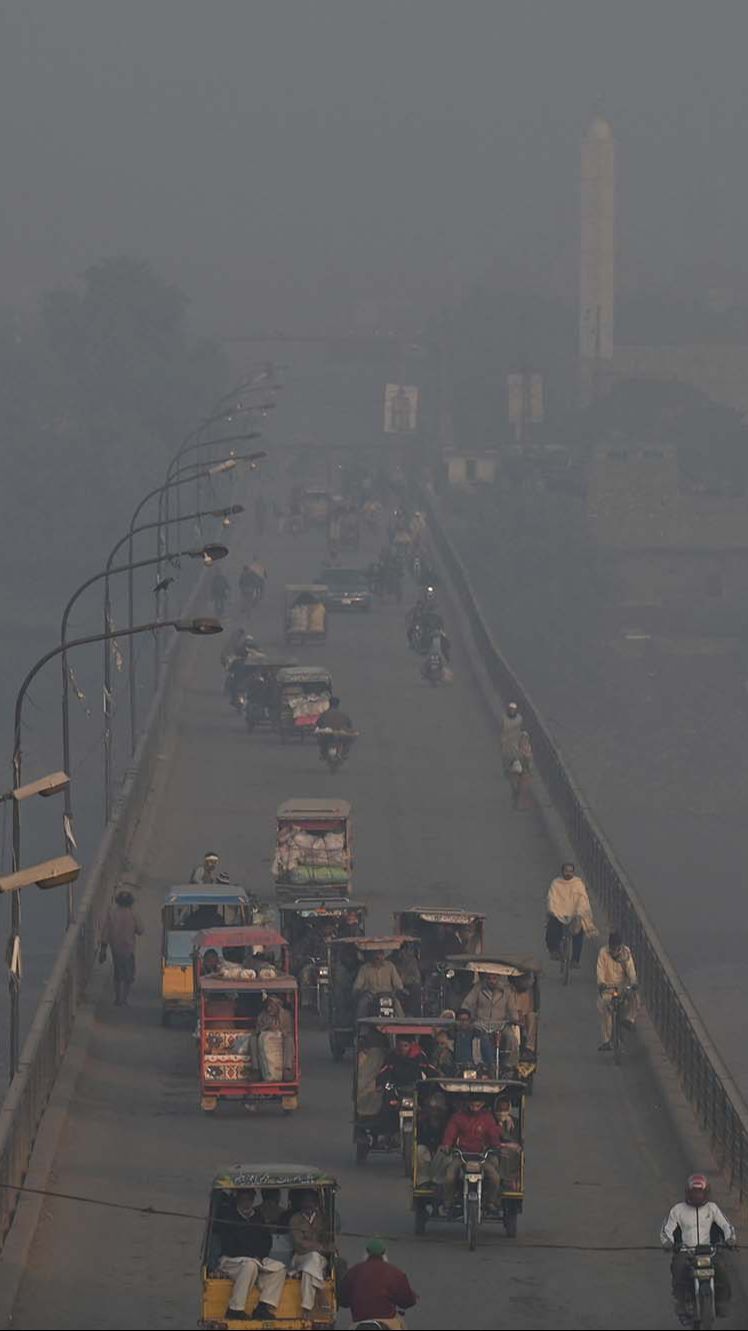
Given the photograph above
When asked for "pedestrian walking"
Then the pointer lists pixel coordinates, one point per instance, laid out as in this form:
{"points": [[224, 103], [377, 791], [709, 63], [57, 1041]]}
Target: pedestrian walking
{"points": [[122, 927], [520, 775]]}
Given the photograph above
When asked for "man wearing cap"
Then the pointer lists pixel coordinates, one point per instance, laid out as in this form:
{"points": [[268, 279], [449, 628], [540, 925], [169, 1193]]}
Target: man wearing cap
{"points": [[205, 872], [375, 1290]]}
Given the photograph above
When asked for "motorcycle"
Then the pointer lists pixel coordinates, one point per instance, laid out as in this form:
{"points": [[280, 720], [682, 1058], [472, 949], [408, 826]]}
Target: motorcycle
{"points": [[334, 746], [472, 1193], [401, 1104], [702, 1306]]}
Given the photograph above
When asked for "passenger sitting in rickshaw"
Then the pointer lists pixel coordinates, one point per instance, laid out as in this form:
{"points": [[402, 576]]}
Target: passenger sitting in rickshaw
{"points": [[444, 1054], [492, 1005], [465, 1041], [245, 1243], [312, 1246], [377, 976], [506, 1119], [432, 1123], [406, 963], [473, 1130], [275, 1040], [523, 988]]}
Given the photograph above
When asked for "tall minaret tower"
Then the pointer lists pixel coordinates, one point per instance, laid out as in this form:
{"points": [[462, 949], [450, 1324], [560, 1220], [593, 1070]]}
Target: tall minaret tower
{"points": [[597, 260]]}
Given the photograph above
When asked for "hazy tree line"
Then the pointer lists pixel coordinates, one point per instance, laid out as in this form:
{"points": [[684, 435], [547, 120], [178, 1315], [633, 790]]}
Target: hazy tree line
{"points": [[97, 386]]}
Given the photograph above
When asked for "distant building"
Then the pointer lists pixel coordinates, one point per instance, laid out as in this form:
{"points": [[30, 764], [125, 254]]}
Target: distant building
{"points": [[471, 468], [668, 548]]}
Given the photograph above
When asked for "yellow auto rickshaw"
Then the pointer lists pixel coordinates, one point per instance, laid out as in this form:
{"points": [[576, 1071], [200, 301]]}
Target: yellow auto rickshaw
{"points": [[185, 912], [284, 1190]]}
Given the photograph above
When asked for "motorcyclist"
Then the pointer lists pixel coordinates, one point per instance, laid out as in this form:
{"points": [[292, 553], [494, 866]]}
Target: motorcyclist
{"points": [[472, 1129], [206, 871], [336, 720], [375, 1290], [693, 1222], [233, 647], [568, 901], [616, 972], [219, 590], [251, 586]]}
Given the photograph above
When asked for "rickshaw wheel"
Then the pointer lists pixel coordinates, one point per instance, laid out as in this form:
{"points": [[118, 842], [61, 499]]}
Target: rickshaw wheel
{"points": [[510, 1220], [408, 1154], [419, 1219], [209, 1104], [362, 1150]]}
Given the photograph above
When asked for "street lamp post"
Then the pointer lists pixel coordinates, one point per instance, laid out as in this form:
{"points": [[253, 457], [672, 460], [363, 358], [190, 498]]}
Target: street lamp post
{"points": [[200, 627], [210, 551]]}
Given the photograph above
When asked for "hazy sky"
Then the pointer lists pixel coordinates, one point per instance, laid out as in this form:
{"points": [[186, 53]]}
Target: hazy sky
{"points": [[285, 160]]}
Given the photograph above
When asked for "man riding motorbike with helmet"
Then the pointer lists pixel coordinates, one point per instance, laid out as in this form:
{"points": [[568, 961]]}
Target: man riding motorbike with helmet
{"points": [[697, 1221]]}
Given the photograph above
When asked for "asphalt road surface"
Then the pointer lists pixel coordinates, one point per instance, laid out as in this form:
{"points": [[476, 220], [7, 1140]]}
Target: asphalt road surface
{"points": [[433, 824]]}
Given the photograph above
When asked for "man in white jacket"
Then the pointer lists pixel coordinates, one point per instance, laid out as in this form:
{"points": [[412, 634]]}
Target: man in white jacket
{"points": [[693, 1222], [568, 903]]}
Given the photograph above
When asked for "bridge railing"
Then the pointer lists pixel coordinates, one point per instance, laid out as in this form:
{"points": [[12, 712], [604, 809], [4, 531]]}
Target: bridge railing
{"points": [[48, 1039], [707, 1082]]}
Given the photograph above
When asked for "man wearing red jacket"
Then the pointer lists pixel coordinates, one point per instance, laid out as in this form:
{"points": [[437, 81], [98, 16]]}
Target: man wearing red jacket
{"points": [[474, 1130], [376, 1290]]}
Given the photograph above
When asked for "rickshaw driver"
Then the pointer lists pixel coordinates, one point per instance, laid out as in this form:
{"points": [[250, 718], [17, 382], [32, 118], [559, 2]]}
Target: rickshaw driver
{"points": [[377, 976], [432, 1121], [473, 1130], [406, 963], [492, 1006], [406, 1065], [246, 1241]]}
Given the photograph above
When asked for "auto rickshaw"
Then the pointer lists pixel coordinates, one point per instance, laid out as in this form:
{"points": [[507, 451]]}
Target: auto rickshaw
{"points": [[436, 1100], [314, 848], [184, 913], [316, 503], [441, 932], [309, 926], [302, 694], [382, 1104], [282, 1188], [248, 1023], [258, 696], [305, 613], [346, 957], [522, 973]]}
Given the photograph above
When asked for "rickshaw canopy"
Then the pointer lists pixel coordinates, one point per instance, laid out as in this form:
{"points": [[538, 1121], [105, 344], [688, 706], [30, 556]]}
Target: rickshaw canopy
{"points": [[441, 915], [507, 964], [289, 675], [306, 810], [256, 936], [470, 1086], [280, 984], [317, 589], [389, 944], [320, 909], [272, 1176], [406, 1025], [214, 894]]}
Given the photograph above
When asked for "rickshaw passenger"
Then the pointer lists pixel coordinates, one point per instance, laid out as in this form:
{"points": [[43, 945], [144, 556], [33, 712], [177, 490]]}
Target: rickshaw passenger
{"points": [[444, 1054], [273, 1022], [377, 976], [343, 977], [523, 987], [311, 1249], [432, 1121], [406, 964], [464, 1047], [474, 1130], [245, 1243], [371, 1055], [277, 1218], [203, 917]]}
